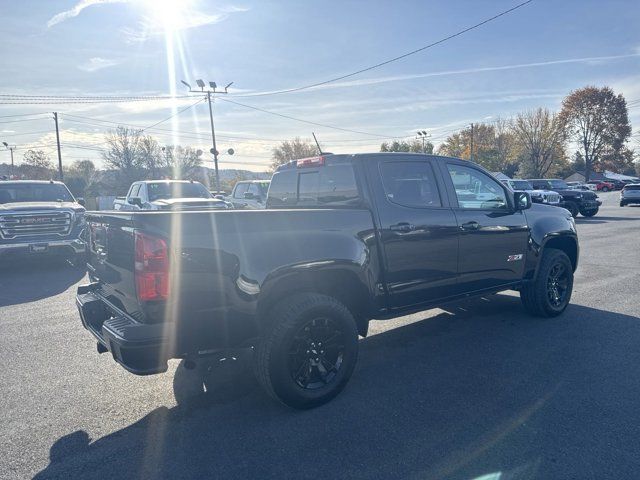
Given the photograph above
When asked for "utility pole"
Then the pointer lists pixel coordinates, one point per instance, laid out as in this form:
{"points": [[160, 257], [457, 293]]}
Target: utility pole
{"points": [[214, 150], [471, 152], [11, 148], [55, 117]]}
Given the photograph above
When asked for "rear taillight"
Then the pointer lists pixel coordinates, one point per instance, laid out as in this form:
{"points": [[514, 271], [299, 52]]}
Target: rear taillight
{"points": [[310, 162], [151, 267]]}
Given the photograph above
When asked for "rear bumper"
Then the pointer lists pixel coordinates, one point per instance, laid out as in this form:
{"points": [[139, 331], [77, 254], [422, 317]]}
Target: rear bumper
{"points": [[142, 349], [68, 247]]}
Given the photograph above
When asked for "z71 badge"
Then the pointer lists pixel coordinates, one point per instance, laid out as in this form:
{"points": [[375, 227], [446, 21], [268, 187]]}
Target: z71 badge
{"points": [[514, 258]]}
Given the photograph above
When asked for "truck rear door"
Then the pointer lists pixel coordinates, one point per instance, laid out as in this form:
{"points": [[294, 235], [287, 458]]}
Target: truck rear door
{"points": [[418, 229]]}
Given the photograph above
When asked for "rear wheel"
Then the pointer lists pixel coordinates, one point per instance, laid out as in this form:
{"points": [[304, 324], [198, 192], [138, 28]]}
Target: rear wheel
{"points": [[573, 208], [310, 351], [549, 294], [589, 213], [622, 204]]}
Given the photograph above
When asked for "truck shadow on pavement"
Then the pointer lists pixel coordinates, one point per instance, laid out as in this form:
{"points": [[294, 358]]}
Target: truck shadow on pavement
{"points": [[23, 282], [478, 389]]}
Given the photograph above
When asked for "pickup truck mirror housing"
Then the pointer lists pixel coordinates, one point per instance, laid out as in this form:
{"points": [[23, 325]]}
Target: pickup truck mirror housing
{"points": [[135, 201], [81, 201], [249, 196], [522, 200]]}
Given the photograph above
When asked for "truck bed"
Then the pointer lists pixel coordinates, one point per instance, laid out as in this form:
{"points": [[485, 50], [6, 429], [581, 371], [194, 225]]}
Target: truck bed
{"points": [[224, 264]]}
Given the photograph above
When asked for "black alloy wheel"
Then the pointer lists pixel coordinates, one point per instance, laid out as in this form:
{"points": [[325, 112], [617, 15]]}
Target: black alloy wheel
{"points": [[557, 285], [316, 353]]}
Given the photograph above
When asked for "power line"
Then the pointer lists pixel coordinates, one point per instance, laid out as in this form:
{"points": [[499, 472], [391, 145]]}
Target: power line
{"points": [[391, 60], [23, 115], [173, 115], [302, 120], [16, 99]]}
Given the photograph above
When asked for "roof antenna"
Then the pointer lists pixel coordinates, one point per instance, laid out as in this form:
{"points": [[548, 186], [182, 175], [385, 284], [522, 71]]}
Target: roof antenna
{"points": [[314, 137]]}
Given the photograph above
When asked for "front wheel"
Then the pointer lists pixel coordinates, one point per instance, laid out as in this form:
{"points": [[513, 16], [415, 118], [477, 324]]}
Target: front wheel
{"points": [[573, 208], [605, 189], [622, 204], [308, 355], [589, 213], [549, 294]]}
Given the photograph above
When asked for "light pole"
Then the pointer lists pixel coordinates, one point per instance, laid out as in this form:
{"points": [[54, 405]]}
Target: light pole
{"points": [[212, 89], [423, 135], [11, 148]]}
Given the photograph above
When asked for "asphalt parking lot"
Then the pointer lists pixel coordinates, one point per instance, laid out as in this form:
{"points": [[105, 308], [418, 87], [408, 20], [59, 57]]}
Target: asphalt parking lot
{"points": [[478, 388]]}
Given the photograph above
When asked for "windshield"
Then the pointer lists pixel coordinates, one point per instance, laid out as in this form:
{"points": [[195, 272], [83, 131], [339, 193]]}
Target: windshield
{"points": [[521, 185], [558, 184], [159, 191], [34, 192]]}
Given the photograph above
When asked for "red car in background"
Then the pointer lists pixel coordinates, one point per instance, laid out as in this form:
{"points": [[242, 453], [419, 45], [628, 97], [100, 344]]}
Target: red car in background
{"points": [[602, 185]]}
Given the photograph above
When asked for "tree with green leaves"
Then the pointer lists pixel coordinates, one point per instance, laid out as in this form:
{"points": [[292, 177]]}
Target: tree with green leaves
{"points": [[292, 150], [411, 146], [597, 119]]}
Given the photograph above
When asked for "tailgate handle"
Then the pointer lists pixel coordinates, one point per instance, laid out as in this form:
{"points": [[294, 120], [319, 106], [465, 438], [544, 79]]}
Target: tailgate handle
{"points": [[403, 227]]}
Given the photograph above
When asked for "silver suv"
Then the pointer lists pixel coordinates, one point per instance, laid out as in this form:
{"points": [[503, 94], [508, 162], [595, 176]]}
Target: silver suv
{"points": [[630, 194]]}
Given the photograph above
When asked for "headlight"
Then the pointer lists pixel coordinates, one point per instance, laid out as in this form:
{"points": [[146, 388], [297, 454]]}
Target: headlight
{"points": [[80, 218]]}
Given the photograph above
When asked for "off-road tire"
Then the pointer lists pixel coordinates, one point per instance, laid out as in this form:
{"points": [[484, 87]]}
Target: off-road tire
{"points": [[271, 355], [573, 208], [534, 295], [589, 213]]}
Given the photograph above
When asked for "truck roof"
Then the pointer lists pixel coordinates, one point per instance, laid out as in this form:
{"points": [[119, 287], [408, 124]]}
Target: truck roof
{"points": [[22, 182], [333, 158]]}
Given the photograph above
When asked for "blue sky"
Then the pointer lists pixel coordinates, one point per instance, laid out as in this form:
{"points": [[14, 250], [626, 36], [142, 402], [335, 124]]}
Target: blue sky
{"points": [[529, 58]]}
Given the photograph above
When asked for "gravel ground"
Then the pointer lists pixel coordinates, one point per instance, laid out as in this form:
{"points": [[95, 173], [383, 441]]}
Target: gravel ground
{"points": [[475, 389]]}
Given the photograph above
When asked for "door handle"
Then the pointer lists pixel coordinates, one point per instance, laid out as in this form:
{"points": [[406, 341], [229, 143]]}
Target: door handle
{"points": [[402, 227], [470, 226]]}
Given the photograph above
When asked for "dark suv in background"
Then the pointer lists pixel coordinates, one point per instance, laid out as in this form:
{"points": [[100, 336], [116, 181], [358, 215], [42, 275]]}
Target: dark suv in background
{"points": [[576, 201]]}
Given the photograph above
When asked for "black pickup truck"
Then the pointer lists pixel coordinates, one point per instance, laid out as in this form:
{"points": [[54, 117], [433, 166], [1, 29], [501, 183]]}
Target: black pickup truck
{"points": [[344, 239], [576, 201]]}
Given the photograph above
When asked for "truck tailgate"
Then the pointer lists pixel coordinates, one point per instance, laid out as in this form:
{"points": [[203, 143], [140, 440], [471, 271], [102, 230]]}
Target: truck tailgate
{"points": [[111, 258]]}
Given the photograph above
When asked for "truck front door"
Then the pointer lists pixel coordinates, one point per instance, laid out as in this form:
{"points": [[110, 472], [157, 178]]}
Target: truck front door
{"points": [[493, 235], [418, 230]]}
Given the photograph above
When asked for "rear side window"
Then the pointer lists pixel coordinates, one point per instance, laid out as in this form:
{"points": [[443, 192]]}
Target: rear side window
{"points": [[410, 184], [632, 187], [329, 186]]}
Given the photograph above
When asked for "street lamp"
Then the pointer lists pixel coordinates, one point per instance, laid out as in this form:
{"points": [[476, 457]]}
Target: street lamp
{"points": [[423, 135], [214, 149], [11, 148]]}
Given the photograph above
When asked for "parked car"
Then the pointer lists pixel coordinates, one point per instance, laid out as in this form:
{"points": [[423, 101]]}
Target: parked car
{"points": [[617, 184], [602, 185], [576, 201], [41, 218], [250, 194], [630, 194], [344, 239], [538, 196], [168, 195]]}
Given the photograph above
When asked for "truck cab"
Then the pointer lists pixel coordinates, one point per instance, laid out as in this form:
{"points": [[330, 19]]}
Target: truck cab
{"points": [[168, 195], [40, 218], [250, 194]]}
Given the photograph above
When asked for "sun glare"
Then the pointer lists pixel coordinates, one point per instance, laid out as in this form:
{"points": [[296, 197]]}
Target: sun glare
{"points": [[170, 14]]}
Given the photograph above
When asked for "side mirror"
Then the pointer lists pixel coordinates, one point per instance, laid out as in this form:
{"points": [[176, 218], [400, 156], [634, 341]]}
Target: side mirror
{"points": [[249, 196], [137, 201], [522, 200], [219, 197], [81, 201]]}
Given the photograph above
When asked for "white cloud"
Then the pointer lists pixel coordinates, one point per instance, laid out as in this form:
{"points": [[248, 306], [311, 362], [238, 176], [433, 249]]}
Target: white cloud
{"points": [[76, 9], [466, 71], [97, 63]]}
